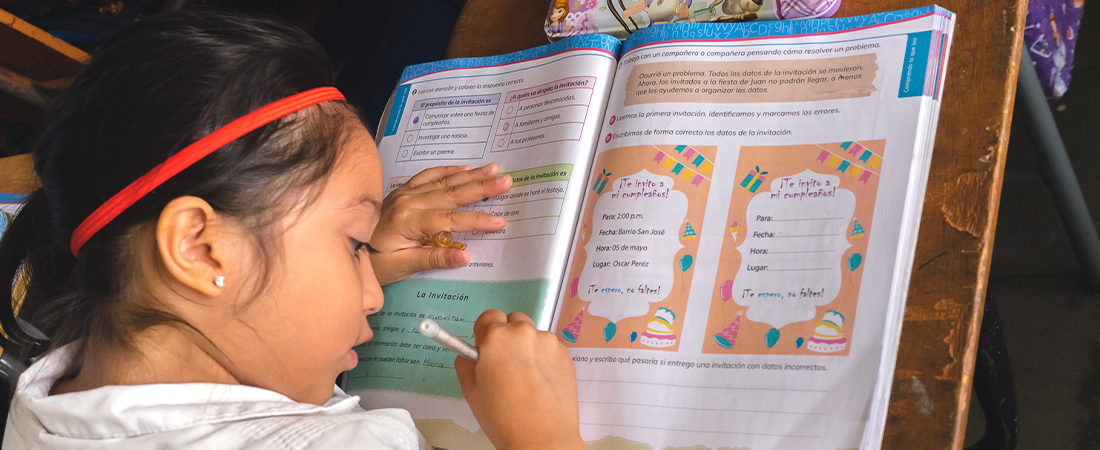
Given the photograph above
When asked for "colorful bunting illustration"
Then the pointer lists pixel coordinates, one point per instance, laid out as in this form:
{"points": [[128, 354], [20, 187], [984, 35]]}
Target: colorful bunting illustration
{"points": [[754, 179], [853, 148], [702, 165], [842, 164]]}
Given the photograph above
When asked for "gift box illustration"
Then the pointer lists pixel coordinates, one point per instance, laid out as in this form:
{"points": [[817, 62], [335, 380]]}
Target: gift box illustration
{"points": [[601, 182], [754, 179]]}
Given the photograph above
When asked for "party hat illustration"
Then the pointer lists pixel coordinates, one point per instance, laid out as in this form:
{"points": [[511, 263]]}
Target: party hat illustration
{"points": [[689, 232], [857, 230], [728, 336], [571, 331], [734, 228], [659, 331]]}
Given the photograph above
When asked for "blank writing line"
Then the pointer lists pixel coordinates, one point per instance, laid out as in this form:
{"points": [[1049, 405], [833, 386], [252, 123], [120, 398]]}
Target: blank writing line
{"points": [[796, 270], [806, 235], [699, 431], [702, 387], [795, 253], [798, 220], [707, 409]]}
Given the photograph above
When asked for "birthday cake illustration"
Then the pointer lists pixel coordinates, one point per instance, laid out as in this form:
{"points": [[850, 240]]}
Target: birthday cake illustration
{"points": [[828, 334], [659, 331]]}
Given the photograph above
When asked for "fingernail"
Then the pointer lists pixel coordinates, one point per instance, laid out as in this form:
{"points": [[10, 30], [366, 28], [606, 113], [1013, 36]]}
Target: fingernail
{"points": [[504, 179], [498, 221], [487, 168], [457, 258], [466, 167]]}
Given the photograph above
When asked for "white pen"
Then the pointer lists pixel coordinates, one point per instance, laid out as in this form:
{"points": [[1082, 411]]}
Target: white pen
{"points": [[429, 328]]}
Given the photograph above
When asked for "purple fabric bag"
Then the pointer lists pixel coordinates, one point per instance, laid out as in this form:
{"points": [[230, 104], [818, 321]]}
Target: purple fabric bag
{"points": [[1049, 37]]}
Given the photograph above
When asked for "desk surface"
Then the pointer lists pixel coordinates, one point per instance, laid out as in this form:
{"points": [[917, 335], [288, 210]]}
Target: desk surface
{"points": [[932, 381]]}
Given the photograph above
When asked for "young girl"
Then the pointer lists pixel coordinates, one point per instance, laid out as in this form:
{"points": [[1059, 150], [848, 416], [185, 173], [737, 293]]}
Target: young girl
{"points": [[198, 255]]}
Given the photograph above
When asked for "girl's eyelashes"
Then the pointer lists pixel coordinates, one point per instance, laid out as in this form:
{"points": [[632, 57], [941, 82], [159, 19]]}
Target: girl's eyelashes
{"points": [[360, 246]]}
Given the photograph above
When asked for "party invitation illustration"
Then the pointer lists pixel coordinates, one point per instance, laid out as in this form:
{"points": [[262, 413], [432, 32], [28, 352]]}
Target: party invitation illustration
{"points": [[635, 253], [799, 219]]}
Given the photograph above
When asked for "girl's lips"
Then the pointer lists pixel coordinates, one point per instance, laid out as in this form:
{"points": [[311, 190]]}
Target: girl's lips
{"points": [[367, 334], [353, 357]]}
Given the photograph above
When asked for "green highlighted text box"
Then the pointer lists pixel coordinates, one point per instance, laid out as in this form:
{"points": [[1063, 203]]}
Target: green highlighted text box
{"points": [[399, 358]]}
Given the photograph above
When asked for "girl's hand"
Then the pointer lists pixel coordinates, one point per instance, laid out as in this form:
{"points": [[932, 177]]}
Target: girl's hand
{"points": [[523, 388], [426, 205]]}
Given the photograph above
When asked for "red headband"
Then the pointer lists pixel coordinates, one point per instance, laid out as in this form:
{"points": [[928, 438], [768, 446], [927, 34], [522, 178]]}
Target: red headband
{"points": [[191, 154]]}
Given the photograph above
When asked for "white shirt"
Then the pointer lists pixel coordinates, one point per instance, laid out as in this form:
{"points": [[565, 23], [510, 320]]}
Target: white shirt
{"points": [[192, 415]]}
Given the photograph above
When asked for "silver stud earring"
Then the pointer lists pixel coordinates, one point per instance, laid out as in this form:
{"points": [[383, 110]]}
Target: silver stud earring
{"points": [[219, 281]]}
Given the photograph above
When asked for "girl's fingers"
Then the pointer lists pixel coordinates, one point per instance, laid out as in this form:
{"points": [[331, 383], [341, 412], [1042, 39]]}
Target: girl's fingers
{"points": [[467, 379], [457, 221], [430, 258], [484, 321], [516, 316], [464, 194], [433, 174], [459, 178]]}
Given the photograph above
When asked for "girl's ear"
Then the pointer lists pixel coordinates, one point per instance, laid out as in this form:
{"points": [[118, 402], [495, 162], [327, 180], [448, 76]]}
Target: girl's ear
{"points": [[192, 244]]}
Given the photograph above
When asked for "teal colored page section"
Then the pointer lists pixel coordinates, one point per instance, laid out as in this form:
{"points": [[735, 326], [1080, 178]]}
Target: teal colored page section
{"points": [[399, 358], [915, 64], [400, 98]]}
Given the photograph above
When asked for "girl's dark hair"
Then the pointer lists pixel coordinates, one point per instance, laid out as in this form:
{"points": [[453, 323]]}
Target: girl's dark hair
{"points": [[149, 91]]}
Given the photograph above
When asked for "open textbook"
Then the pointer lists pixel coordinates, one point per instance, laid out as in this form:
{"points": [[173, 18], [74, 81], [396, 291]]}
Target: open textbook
{"points": [[719, 220]]}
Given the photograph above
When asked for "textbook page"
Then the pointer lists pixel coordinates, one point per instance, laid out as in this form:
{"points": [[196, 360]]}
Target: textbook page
{"points": [[536, 113], [742, 256]]}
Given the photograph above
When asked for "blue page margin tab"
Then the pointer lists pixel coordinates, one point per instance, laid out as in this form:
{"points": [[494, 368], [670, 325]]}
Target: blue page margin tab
{"points": [[397, 109], [915, 65]]}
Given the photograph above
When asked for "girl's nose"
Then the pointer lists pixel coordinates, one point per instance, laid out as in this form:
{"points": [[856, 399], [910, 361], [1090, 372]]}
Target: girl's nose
{"points": [[372, 291]]}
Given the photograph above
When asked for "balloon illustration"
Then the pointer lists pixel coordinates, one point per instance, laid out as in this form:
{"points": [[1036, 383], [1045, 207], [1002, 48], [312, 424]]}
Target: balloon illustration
{"points": [[771, 337], [633, 336], [573, 287], [726, 290], [798, 343], [854, 261], [609, 331], [685, 263]]}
